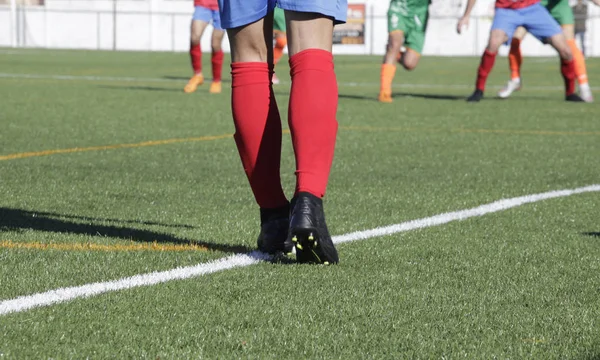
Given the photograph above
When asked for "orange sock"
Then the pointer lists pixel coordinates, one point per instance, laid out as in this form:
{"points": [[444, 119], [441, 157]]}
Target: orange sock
{"points": [[515, 59], [280, 43], [387, 76], [580, 70]]}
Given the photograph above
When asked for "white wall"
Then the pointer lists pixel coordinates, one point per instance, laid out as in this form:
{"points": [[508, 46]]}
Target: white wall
{"points": [[163, 25]]}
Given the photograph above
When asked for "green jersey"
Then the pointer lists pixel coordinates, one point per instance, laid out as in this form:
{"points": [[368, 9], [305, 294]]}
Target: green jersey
{"points": [[279, 20], [409, 7], [560, 11], [552, 3], [410, 17]]}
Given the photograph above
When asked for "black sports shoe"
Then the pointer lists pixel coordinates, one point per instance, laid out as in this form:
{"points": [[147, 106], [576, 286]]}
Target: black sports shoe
{"points": [[274, 225], [308, 231], [574, 98], [476, 96]]}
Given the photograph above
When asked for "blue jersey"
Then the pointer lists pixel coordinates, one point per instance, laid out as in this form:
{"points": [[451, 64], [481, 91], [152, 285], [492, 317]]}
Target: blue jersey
{"points": [[235, 13]]}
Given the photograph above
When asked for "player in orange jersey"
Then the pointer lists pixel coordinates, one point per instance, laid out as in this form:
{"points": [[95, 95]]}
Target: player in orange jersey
{"points": [[206, 11]]}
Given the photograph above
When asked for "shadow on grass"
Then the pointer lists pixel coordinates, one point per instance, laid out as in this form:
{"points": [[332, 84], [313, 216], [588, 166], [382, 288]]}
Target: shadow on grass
{"points": [[186, 78], [144, 88], [406, 94], [596, 234], [440, 97], [18, 220]]}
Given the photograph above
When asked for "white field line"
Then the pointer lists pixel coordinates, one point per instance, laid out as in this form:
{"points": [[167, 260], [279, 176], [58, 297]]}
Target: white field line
{"points": [[56, 296], [347, 84]]}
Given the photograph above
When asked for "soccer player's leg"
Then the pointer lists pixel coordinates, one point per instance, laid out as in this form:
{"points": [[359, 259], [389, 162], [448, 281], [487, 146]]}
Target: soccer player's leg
{"points": [[388, 67], [397, 28], [515, 59], [563, 14], [312, 121], [505, 23], [540, 24], [217, 54], [200, 20], [258, 132], [580, 68], [279, 29]]}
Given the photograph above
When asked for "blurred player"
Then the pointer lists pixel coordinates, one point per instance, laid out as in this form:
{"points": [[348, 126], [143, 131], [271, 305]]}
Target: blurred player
{"points": [[206, 11], [311, 117], [407, 22], [563, 14], [509, 15], [280, 38]]}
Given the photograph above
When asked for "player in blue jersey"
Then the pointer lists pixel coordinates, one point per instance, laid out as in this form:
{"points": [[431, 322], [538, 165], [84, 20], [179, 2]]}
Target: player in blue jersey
{"points": [[312, 117]]}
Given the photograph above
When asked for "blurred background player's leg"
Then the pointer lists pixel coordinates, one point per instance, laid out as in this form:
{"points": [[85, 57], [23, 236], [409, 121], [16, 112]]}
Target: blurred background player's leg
{"points": [[216, 53], [312, 120], [397, 27], [563, 14], [543, 26], [505, 23], [280, 38], [200, 20], [515, 59], [580, 68]]}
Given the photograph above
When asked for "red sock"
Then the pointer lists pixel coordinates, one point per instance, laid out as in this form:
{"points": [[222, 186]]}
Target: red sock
{"points": [[196, 56], [486, 65], [217, 65], [258, 131], [312, 120], [567, 68]]}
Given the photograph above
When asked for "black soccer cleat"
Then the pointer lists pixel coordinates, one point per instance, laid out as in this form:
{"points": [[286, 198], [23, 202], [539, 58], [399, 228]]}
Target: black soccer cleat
{"points": [[308, 231], [273, 237], [476, 96], [574, 98]]}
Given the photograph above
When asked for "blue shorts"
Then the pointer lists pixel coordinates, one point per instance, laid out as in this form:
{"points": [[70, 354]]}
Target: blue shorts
{"points": [[205, 14], [535, 18], [235, 13]]}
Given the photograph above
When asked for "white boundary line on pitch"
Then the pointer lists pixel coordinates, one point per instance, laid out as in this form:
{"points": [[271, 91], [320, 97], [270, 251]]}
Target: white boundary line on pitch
{"points": [[24, 303], [349, 84]]}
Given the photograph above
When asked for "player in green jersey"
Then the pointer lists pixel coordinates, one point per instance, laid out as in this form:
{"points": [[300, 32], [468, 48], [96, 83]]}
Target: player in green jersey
{"points": [[563, 14], [407, 23]]}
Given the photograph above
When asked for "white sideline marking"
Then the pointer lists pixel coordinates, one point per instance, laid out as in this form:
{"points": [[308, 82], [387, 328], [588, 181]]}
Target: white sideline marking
{"points": [[349, 84], [56, 296]]}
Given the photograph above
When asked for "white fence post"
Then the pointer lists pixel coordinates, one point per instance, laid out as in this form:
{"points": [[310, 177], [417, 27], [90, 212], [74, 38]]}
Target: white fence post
{"points": [[13, 23]]}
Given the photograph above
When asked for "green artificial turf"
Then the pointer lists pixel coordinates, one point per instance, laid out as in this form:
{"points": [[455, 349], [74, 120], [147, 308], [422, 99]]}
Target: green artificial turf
{"points": [[521, 283]]}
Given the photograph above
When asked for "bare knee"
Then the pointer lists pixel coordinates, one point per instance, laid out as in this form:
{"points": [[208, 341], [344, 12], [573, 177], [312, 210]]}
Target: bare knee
{"points": [[216, 47], [248, 43], [497, 38], [395, 41], [217, 40], [195, 39], [559, 42], [565, 53], [410, 60]]}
